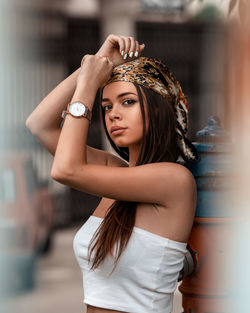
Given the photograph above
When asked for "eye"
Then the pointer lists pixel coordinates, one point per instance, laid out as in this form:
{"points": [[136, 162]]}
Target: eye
{"points": [[129, 101], [107, 107]]}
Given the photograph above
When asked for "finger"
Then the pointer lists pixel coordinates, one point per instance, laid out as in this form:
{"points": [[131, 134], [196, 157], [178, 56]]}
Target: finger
{"points": [[137, 49], [117, 41], [104, 59], [111, 64], [127, 46], [132, 47], [84, 58], [107, 61], [121, 43], [142, 46]]}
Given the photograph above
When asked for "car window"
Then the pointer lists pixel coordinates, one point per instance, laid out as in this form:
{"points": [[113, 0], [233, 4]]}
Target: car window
{"points": [[7, 185]]}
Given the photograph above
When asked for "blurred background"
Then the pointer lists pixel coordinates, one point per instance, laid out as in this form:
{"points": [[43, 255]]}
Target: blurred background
{"points": [[206, 45]]}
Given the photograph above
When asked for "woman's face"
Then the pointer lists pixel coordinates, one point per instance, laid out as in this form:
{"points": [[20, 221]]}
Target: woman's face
{"points": [[123, 115]]}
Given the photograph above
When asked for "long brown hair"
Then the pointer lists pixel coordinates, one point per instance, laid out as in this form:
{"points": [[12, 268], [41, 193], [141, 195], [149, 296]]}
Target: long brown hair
{"points": [[159, 144]]}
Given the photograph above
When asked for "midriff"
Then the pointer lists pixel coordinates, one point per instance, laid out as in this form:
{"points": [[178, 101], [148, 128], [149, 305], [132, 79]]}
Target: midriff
{"points": [[94, 309]]}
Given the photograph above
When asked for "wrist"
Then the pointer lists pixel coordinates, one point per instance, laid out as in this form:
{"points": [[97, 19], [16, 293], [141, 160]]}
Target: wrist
{"points": [[85, 95], [88, 83]]}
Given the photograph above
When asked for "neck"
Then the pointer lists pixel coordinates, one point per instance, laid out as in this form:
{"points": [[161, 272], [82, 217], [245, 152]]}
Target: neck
{"points": [[133, 155]]}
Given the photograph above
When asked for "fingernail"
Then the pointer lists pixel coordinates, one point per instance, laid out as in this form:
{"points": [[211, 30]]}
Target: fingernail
{"points": [[125, 56], [136, 54], [122, 53], [131, 54]]}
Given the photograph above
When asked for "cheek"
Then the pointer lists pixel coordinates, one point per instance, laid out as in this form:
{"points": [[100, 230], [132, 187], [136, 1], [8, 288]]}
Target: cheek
{"points": [[106, 120]]}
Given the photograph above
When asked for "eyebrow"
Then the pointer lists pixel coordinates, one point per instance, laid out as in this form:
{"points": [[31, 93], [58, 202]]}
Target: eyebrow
{"points": [[119, 96]]}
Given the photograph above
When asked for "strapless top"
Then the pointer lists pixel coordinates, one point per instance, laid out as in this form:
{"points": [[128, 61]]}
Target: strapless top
{"points": [[146, 275]]}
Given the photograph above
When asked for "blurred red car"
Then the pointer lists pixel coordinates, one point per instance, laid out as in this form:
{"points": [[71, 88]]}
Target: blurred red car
{"points": [[26, 220]]}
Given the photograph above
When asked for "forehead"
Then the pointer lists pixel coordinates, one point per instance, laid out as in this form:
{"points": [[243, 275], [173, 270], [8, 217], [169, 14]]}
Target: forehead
{"points": [[116, 88]]}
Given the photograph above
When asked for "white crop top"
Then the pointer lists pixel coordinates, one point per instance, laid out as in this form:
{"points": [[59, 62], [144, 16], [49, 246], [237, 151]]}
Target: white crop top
{"points": [[146, 275]]}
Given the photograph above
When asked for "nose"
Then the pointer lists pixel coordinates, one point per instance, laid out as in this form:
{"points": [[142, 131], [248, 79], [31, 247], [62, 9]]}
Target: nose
{"points": [[114, 114]]}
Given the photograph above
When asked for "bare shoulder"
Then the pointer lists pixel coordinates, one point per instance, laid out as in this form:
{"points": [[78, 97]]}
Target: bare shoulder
{"points": [[176, 171], [184, 179], [183, 175], [179, 184], [180, 199]]}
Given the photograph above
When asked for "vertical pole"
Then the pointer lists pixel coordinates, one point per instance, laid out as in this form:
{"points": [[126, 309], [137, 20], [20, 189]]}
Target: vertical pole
{"points": [[117, 17]]}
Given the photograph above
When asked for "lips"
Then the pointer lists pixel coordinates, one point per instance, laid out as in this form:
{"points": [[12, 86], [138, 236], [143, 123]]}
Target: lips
{"points": [[117, 130]]}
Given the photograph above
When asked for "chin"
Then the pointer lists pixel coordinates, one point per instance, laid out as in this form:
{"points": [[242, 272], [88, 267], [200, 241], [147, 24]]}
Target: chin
{"points": [[126, 144], [126, 141], [121, 143]]}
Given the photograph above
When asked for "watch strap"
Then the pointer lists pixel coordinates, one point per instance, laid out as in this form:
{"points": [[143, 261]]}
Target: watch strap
{"points": [[88, 114]]}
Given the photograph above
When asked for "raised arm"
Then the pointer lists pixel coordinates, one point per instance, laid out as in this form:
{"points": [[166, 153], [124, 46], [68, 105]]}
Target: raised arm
{"points": [[150, 183], [44, 122]]}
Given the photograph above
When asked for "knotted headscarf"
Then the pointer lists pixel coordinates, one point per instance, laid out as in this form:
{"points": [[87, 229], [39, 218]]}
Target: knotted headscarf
{"points": [[154, 74]]}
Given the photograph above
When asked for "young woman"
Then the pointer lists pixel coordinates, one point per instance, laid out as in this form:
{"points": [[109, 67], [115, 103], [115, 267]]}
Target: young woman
{"points": [[132, 248]]}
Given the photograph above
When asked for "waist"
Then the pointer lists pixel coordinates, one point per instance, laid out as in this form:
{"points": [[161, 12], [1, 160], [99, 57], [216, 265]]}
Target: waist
{"points": [[94, 309]]}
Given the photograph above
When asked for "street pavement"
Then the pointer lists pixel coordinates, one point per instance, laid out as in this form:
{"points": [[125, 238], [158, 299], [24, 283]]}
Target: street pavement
{"points": [[58, 287]]}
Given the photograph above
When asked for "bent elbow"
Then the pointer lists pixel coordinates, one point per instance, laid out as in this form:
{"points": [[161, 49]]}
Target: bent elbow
{"points": [[31, 125], [55, 174], [27, 123], [60, 175]]}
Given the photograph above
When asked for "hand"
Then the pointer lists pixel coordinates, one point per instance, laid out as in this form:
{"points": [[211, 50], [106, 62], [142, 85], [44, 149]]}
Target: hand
{"points": [[95, 71], [120, 49]]}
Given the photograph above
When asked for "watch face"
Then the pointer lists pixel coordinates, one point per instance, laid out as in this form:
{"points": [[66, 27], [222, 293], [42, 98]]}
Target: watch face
{"points": [[77, 109]]}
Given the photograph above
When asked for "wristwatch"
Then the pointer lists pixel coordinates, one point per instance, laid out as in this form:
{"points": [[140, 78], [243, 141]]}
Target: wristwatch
{"points": [[78, 109]]}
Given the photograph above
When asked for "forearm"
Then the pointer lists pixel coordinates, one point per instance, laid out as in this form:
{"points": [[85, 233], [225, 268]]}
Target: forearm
{"points": [[47, 115], [71, 151]]}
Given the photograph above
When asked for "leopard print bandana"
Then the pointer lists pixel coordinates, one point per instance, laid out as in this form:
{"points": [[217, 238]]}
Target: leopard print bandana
{"points": [[154, 74]]}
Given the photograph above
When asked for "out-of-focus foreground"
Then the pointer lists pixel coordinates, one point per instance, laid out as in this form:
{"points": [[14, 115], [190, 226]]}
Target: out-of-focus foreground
{"points": [[206, 44]]}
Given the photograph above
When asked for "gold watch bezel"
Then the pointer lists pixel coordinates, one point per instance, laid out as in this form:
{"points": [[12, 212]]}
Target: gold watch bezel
{"points": [[87, 113]]}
